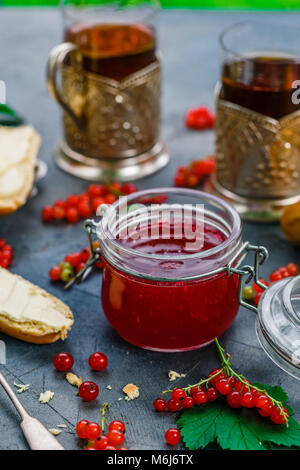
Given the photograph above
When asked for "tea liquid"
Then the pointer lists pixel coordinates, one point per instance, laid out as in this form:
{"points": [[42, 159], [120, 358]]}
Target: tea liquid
{"points": [[261, 83], [114, 51]]}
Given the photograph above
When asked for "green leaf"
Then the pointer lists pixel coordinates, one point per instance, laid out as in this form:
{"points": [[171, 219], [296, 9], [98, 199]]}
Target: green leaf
{"points": [[233, 429], [198, 426], [233, 432]]}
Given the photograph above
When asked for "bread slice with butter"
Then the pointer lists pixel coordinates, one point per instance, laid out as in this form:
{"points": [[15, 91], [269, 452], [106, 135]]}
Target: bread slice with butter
{"points": [[29, 313], [19, 148]]}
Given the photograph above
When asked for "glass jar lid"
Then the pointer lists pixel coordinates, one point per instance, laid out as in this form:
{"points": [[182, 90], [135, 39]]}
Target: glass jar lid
{"points": [[278, 324]]}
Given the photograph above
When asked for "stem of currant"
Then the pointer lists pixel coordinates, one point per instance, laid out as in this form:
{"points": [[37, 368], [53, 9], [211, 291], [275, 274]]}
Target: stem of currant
{"points": [[103, 412]]}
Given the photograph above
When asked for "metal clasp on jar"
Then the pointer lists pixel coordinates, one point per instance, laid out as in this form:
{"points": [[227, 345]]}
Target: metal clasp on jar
{"points": [[252, 272]]}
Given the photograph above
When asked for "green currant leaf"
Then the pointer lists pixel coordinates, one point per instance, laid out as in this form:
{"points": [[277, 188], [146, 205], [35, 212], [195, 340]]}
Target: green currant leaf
{"points": [[241, 429], [198, 425], [235, 433]]}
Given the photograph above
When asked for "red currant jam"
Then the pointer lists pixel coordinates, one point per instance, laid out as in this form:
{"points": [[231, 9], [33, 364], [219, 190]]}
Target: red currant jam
{"points": [[173, 315]]}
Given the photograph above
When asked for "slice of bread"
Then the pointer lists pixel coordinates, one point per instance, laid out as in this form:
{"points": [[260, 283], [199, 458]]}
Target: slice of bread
{"points": [[19, 148], [29, 313]]}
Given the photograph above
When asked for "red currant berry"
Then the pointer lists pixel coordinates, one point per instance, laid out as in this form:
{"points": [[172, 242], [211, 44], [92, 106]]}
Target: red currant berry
{"points": [[241, 387], [117, 426], [115, 438], [58, 213], [47, 214], [101, 443], [84, 255], [95, 190], [178, 394], [293, 269], [88, 391], [129, 188], [73, 259], [72, 215], [98, 361], [160, 404], [279, 416], [232, 381], [93, 431], [275, 276], [223, 386], [247, 400], [233, 399], [82, 429], [80, 267], [259, 289], [284, 273], [196, 389], [172, 436], [110, 198], [55, 273], [264, 405], [173, 405], [60, 203], [84, 209], [63, 361], [220, 375], [96, 203], [116, 187], [187, 402], [200, 398], [72, 200], [212, 394], [257, 298]]}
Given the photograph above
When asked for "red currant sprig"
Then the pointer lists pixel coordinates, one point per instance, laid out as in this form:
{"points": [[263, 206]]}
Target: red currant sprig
{"points": [[254, 292], [239, 392], [81, 206], [200, 118], [95, 433], [6, 254], [73, 264], [192, 175]]}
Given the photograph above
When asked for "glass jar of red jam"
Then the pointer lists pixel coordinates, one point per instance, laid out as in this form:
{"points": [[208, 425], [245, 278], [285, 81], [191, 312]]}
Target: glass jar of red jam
{"points": [[165, 284]]}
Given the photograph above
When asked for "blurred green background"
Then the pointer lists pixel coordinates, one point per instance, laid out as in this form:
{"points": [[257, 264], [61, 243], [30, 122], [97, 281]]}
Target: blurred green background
{"points": [[222, 4]]}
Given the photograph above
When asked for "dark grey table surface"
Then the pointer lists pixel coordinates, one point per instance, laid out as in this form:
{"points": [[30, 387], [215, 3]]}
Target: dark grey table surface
{"points": [[191, 67]]}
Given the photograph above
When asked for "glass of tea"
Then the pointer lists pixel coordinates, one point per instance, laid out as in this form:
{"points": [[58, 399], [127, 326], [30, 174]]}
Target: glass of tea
{"points": [[109, 90], [258, 119]]}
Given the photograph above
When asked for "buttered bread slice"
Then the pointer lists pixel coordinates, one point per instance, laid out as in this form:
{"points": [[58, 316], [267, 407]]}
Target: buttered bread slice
{"points": [[29, 313], [19, 148]]}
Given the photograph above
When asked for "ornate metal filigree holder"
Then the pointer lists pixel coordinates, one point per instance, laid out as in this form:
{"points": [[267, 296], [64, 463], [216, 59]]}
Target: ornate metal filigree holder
{"points": [[111, 128], [258, 161]]}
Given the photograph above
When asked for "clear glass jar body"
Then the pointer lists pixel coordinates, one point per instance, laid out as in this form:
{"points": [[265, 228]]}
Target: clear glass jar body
{"points": [[172, 301]]}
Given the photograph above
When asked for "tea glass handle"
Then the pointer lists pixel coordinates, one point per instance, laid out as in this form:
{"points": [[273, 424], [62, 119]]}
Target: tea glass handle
{"points": [[55, 61]]}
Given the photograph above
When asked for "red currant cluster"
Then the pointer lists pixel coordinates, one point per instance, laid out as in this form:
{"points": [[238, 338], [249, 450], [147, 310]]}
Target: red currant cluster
{"points": [[88, 391], [192, 175], [73, 264], [238, 392], [254, 292], [200, 118], [113, 440], [6, 254], [82, 206]]}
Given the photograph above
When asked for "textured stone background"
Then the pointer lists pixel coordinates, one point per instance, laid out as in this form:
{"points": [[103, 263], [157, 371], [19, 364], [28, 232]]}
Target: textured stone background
{"points": [[191, 67]]}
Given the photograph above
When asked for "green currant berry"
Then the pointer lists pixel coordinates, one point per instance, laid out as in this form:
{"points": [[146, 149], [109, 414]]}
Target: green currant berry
{"points": [[67, 275], [248, 293], [66, 265]]}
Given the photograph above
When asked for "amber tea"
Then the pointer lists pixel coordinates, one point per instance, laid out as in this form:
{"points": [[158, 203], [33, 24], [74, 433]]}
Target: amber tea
{"points": [[262, 84], [113, 51]]}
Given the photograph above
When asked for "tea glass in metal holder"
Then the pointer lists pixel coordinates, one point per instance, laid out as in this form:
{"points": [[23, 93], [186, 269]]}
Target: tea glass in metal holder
{"points": [[258, 120], [111, 125]]}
